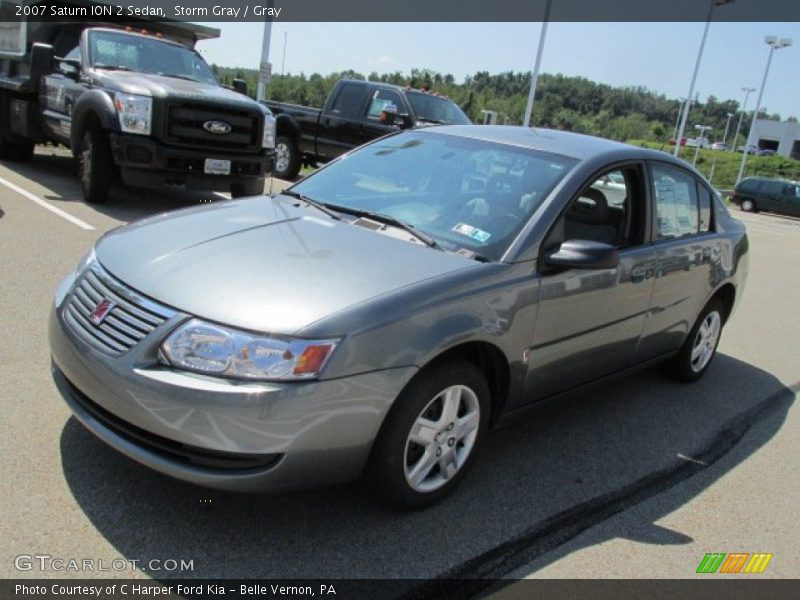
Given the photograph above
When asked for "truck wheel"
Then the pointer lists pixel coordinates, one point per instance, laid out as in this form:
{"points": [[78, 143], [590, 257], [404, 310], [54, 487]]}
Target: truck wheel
{"points": [[287, 158], [95, 166], [247, 188]]}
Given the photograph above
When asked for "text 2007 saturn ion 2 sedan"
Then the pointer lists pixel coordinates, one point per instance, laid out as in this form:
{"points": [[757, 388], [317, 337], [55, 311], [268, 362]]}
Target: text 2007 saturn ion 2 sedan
{"points": [[379, 316]]}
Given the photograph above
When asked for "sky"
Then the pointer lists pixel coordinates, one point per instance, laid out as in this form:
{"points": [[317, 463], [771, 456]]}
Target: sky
{"points": [[659, 56]]}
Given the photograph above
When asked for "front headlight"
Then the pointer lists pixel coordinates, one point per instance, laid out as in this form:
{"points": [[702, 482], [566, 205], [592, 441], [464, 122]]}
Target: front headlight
{"points": [[215, 350], [134, 112], [268, 139]]}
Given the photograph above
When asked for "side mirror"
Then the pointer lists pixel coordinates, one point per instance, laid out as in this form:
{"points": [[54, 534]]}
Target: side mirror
{"points": [[405, 121], [70, 68], [240, 85], [583, 254], [41, 63]]}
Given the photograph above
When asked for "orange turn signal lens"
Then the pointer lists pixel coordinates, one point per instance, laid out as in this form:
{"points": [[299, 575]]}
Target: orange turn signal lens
{"points": [[312, 359]]}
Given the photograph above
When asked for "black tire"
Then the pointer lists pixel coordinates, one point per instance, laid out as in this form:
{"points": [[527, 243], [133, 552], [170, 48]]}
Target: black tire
{"points": [[683, 367], [386, 469], [748, 205], [15, 151], [287, 158], [95, 166], [247, 188]]}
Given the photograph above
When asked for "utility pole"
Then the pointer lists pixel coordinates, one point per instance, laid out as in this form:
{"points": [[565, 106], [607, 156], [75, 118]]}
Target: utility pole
{"points": [[265, 68], [535, 75]]}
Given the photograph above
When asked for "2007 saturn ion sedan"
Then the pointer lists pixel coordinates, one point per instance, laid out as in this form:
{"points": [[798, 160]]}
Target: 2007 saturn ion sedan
{"points": [[378, 317]]}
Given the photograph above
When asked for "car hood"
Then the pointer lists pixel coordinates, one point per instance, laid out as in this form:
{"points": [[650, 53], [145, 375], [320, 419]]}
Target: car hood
{"points": [[264, 264], [158, 86]]}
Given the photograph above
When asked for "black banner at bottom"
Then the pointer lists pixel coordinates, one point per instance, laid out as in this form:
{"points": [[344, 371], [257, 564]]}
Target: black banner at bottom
{"points": [[401, 589]]}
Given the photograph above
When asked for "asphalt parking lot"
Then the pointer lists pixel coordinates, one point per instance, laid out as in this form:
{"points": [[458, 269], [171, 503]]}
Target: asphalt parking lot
{"points": [[637, 478]]}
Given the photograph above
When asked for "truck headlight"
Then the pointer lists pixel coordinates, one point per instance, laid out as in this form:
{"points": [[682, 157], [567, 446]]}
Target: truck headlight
{"points": [[134, 112], [268, 139], [223, 352]]}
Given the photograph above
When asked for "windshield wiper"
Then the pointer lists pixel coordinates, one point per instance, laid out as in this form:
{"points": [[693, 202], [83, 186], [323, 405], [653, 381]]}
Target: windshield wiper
{"points": [[315, 203], [112, 67], [176, 76], [389, 220]]}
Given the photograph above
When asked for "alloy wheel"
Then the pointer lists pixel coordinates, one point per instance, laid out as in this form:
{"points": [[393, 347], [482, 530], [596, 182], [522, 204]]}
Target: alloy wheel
{"points": [[705, 342]]}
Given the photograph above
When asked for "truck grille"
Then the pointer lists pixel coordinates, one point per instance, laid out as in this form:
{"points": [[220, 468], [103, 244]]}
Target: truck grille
{"points": [[125, 325], [185, 126]]}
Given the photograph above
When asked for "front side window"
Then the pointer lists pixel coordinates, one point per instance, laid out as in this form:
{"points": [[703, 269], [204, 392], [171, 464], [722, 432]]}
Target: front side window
{"points": [[382, 99], [125, 52], [676, 203], [464, 193]]}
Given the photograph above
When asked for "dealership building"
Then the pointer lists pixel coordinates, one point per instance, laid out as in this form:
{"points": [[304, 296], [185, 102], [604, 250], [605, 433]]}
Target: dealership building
{"points": [[783, 137]]}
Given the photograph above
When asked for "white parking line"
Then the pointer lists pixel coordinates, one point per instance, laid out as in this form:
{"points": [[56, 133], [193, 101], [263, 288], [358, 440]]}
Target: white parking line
{"points": [[48, 206]]}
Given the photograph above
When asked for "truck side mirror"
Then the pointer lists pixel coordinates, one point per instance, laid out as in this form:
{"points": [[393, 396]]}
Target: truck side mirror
{"points": [[240, 85], [70, 68], [41, 63]]}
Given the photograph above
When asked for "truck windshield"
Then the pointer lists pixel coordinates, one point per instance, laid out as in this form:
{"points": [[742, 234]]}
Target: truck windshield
{"points": [[126, 52], [435, 109]]}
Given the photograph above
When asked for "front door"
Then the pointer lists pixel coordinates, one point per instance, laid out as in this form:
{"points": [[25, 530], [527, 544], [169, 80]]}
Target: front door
{"points": [[590, 321]]}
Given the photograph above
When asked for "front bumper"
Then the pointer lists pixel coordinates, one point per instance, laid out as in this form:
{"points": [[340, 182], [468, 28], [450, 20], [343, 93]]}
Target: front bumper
{"points": [[216, 433], [145, 163]]}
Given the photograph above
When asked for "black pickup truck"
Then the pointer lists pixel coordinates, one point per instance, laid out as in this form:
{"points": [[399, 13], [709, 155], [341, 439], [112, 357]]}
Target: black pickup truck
{"points": [[137, 104], [355, 112]]}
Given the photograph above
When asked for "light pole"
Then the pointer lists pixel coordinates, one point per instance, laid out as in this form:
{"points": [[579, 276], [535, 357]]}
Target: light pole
{"points": [[535, 75], [774, 44], [265, 68], [747, 91], [703, 129], [711, 6], [678, 120], [727, 124]]}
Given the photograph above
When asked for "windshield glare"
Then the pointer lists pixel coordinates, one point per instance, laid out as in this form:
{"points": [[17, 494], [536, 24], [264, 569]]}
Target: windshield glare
{"points": [[146, 55], [464, 193], [435, 109]]}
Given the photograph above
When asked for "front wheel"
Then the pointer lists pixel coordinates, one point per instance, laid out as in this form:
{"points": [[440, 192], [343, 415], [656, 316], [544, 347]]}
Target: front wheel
{"points": [[701, 345], [431, 436], [95, 166], [287, 158]]}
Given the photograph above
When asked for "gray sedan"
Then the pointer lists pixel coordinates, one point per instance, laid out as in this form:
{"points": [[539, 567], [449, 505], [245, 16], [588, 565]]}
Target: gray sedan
{"points": [[378, 317]]}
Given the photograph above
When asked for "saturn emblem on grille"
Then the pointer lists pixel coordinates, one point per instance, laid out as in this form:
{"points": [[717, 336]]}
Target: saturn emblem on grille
{"points": [[217, 127], [101, 311]]}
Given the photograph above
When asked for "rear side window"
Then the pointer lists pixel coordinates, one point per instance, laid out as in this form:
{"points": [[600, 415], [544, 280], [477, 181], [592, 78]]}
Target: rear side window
{"points": [[676, 203], [704, 198], [772, 187], [749, 185], [349, 99]]}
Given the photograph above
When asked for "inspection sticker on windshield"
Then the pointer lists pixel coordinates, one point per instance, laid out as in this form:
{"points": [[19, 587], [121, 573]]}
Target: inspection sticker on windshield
{"points": [[473, 232]]}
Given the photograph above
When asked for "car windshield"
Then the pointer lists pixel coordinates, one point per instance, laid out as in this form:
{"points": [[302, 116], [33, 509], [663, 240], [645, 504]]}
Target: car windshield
{"points": [[122, 51], [435, 109], [465, 194]]}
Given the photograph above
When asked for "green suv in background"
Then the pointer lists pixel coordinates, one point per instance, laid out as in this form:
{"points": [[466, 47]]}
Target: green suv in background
{"points": [[753, 194]]}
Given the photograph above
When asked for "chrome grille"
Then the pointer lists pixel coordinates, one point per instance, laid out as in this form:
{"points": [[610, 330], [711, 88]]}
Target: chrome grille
{"points": [[131, 319]]}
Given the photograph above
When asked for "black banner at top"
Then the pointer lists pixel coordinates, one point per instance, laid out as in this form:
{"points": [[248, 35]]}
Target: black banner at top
{"points": [[408, 10]]}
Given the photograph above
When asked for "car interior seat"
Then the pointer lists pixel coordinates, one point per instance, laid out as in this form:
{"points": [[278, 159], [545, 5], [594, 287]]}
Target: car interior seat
{"points": [[588, 218]]}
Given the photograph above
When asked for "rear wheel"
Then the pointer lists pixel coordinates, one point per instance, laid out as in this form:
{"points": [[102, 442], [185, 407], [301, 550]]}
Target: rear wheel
{"points": [[95, 166], [748, 205], [431, 437], [700, 346], [287, 158]]}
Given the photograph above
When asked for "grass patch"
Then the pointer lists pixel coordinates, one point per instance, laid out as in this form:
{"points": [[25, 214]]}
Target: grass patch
{"points": [[726, 164]]}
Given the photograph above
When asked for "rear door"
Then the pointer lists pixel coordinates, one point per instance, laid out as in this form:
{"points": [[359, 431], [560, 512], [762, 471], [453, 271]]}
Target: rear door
{"points": [[340, 122], [687, 253], [790, 199]]}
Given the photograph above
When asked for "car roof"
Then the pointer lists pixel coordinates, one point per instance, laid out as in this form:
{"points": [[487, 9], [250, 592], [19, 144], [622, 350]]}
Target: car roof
{"points": [[564, 143]]}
